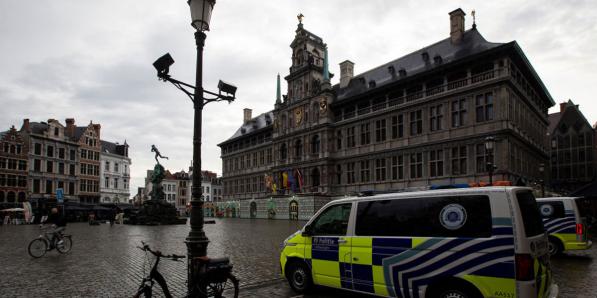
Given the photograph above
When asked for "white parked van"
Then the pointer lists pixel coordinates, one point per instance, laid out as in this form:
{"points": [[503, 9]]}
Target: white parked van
{"points": [[474, 242], [564, 222]]}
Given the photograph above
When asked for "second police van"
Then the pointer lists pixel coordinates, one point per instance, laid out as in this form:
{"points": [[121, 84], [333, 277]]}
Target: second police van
{"points": [[476, 242], [564, 222]]}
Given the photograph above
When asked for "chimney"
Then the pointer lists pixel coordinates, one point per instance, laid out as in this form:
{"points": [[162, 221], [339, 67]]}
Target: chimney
{"points": [[97, 129], [346, 73], [26, 126], [70, 126], [247, 115], [456, 25]]}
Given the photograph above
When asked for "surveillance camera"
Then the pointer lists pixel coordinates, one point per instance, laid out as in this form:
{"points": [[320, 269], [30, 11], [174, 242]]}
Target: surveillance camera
{"points": [[162, 65], [227, 88]]}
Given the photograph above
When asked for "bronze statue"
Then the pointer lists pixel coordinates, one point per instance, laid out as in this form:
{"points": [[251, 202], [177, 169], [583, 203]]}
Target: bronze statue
{"points": [[157, 153]]}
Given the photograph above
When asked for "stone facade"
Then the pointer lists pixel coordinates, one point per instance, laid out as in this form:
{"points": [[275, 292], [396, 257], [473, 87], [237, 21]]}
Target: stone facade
{"points": [[13, 169], [115, 173], [414, 122], [88, 139], [572, 148]]}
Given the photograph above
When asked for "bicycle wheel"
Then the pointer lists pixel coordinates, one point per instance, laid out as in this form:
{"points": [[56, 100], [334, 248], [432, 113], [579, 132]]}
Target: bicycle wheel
{"points": [[38, 247], [228, 287], [66, 246]]}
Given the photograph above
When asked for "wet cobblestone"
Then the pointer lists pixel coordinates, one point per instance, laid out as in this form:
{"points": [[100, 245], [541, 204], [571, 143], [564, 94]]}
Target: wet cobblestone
{"points": [[105, 262]]}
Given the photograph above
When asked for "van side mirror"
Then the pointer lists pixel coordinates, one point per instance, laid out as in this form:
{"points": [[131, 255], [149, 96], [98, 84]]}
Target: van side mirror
{"points": [[307, 231]]}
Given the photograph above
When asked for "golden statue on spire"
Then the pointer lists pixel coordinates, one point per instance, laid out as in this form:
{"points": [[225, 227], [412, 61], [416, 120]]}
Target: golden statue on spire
{"points": [[300, 17]]}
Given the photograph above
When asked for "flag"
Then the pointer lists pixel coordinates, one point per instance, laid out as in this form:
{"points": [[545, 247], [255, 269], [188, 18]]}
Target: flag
{"points": [[274, 188], [299, 179], [268, 181], [291, 181], [284, 180]]}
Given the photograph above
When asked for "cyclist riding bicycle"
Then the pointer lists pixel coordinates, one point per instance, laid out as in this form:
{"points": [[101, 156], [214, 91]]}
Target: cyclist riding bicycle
{"points": [[58, 223]]}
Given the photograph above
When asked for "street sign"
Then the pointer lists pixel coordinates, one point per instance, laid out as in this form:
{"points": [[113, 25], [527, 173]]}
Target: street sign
{"points": [[60, 195]]}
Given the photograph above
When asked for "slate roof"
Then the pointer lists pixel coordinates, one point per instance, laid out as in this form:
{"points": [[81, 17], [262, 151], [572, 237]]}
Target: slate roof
{"points": [[79, 131], [264, 120], [108, 147], [554, 120], [38, 127], [472, 43]]}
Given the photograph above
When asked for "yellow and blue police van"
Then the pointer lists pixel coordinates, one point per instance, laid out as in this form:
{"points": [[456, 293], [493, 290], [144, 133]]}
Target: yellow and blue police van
{"points": [[461, 243], [565, 224]]}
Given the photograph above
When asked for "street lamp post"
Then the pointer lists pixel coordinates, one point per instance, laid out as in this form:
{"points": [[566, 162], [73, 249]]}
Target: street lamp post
{"points": [[196, 241], [542, 180], [490, 166]]}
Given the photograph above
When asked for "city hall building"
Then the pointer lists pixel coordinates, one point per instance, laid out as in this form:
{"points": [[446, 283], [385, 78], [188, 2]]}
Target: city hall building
{"points": [[414, 122]]}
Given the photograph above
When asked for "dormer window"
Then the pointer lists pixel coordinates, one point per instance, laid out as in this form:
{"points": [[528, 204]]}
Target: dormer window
{"points": [[437, 59], [425, 56], [372, 84], [362, 81], [392, 70], [402, 72]]}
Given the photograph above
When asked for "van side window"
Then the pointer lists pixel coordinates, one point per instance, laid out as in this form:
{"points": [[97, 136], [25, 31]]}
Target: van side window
{"points": [[551, 209], [454, 216], [533, 225], [332, 221]]}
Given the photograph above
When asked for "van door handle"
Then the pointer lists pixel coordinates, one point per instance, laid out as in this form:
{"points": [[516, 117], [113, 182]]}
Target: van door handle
{"points": [[341, 241]]}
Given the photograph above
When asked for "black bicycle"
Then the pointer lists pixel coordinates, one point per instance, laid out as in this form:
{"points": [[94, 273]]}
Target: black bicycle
{"points": [[214, 274], [48, 241]]}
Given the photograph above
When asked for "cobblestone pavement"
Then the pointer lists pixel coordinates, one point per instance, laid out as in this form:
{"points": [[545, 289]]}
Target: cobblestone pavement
{"points": [[105, 262]]}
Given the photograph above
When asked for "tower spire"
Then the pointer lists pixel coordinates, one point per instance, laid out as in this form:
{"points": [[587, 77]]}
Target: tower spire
{"points": [[326, 71], [278, 91]]}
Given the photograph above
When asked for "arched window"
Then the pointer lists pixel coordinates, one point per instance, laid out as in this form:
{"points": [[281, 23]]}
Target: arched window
{"points": [[298, 148], [315, 177], [293, 209], [22, 197], [1, 197], [315, 144], [11, 197], [283, 151]]}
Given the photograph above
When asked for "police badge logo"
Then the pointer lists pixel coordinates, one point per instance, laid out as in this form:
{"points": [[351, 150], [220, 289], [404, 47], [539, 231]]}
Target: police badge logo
{"points": [[547, 210], [452, 216]]}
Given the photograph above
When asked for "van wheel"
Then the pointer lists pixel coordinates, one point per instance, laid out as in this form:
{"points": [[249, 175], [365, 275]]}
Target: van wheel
{"points": [[299, 277], [454, 289], [554, 246]]}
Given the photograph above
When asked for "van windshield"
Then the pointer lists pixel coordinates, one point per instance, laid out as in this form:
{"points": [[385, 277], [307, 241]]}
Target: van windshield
{"points": [[533, 225]]}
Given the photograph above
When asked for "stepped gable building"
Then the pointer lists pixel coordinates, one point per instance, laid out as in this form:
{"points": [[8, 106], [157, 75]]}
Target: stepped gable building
{"points": [[416, 121], [53, 162], [183, 191], [13, 169], [88, 139], [115, 173], [572, 149]]}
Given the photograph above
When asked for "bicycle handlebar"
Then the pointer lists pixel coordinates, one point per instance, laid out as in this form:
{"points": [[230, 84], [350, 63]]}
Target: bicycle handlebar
{"points": [[159, 253]]}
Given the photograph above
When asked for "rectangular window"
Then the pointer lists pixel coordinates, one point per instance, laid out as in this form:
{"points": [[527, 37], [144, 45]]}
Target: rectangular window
{"points": [[459, 160], [71, 170], [255, 159], [71, 188], [61, 153], [458, 112], [350, 175], [397, 126], [484, 107], [418, 217], [83, 169], [338, 174], [436, 163], [116, 167], [416, 165], [22, 165], [350, 137], [48, 186], [380, 169], [61, 168], [365, 134], [269, 156], [397, 167], [107, 166], [73, 155], [107, 182], [116, 184], [365, 171], [436, 117], [50, 151], [482, 158], [416, 122], [261, 157], [36, 186], [37, 149], [83, 154], [380, 130], [50, 166]]}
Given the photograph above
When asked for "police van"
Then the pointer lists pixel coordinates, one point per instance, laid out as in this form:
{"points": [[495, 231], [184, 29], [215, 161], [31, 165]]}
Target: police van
{"points": [[565, 223], [474, 242]]}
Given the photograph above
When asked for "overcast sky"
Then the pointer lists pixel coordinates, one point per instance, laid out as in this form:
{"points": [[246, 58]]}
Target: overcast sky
{"points": [[91, 60]]}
